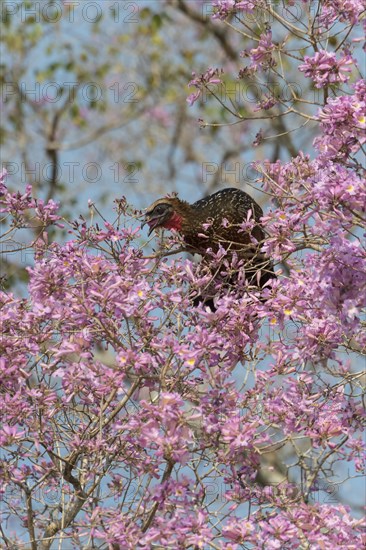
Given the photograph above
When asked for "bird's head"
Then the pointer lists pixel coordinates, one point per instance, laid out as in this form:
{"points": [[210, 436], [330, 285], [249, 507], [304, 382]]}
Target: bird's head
{"points": [[165, 213]]}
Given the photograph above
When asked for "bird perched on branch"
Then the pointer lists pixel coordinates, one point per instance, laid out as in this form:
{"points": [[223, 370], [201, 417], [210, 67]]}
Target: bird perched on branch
{"points": [[229, 218]]}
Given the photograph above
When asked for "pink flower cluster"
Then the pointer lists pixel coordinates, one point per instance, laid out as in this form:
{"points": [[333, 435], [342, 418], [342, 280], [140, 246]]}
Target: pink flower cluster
{"points": [[325, 69], [18, 203], [261, 56], [323, 527], [343, 122], [201, 82], [349, 11], [224, 8]]}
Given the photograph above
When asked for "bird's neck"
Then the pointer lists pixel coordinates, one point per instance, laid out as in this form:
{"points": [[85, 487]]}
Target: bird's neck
{"points": [[175, 222]]}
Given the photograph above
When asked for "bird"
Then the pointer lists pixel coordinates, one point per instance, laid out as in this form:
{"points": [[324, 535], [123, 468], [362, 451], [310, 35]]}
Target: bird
{"points": [[213, 222]]}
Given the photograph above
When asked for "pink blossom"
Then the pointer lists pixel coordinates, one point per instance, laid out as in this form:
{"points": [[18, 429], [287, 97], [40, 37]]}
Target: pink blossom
{"points": [[341, 10], [324, 68], [211, 76], [261, 56], [343, 123], [223, 8]]}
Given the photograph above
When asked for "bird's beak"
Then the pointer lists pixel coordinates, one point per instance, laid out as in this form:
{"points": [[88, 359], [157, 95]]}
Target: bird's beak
{"points": [[144, 222], [152, 222]]}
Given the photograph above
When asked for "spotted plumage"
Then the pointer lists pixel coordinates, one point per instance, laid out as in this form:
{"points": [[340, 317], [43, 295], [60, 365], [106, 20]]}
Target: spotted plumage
{"points": [[229, 204]]}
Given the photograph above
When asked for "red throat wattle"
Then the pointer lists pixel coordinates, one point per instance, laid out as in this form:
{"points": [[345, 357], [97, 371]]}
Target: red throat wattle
{"points": [[175, 222]]}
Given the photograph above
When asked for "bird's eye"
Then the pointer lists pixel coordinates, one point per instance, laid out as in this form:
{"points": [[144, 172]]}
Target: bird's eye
{"points": [[160, 209]]}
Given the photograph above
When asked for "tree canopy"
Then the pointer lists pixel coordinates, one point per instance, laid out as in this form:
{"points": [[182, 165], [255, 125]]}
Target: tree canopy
{"points": [[130, 418]]}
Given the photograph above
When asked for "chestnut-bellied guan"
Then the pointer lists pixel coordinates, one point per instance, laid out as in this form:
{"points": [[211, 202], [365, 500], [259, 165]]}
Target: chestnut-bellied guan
{"points": [[216, 221]]}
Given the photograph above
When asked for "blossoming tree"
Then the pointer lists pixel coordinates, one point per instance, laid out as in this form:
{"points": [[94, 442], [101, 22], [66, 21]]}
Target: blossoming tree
{"points": [[131, 419]]}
